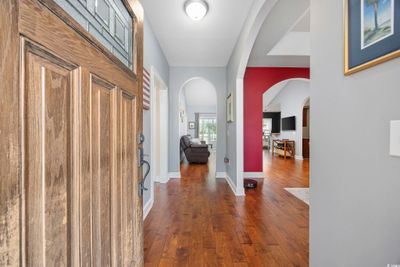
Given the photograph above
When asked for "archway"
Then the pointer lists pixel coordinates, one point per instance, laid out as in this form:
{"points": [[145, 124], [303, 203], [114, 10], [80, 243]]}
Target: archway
{"points": [[198, 116], [256, 82], [287, 99], [236, 72]]}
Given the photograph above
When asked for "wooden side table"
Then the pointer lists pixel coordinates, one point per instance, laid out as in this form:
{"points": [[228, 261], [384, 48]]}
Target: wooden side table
{"points": [[285, 148]]}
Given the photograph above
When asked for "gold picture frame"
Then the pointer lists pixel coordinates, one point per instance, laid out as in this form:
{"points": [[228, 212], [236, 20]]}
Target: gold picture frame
{"points": [[230, 112], [350, 70]]}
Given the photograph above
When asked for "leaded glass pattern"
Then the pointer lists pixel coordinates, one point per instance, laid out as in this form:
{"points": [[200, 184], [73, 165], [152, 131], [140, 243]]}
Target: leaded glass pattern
{"points": [[107, 20]]}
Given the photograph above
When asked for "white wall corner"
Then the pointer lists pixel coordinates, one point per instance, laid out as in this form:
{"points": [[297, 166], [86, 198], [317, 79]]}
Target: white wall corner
{"points": [[147, 207], [220, 175], [239, 137], [254, 175], [239, 192], [172, 175], [298, 157], [164, 180]]}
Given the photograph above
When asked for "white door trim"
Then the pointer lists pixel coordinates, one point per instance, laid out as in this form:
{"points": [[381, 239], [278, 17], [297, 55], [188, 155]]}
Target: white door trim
{"points": [[164, 177]]}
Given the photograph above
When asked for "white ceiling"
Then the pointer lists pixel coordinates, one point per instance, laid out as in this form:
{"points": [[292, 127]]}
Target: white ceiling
{"points": [[270, 95], [284, 38], [200, 92], [208, 42], [292, 44]]}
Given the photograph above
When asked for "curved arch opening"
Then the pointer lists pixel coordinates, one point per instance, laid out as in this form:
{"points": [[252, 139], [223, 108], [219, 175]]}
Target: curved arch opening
{"points": [[236, 75], [284, 100], [198, 120]]}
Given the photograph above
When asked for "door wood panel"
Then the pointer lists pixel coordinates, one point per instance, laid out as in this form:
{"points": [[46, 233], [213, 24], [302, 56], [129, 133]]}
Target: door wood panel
{"points": [[48, 173], [69, 181], [101, 171], [129, 189], [9, 136]]}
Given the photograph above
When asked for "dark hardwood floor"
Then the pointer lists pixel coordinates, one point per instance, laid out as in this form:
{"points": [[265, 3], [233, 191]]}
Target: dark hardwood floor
{"points": [[197, 221]]}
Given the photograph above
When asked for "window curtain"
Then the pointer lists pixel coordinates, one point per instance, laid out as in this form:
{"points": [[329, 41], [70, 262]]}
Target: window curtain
{"points": [[197, 125]]}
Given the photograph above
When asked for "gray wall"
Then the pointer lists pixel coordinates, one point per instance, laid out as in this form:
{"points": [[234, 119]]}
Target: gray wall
{"points": [[355, 184], [153, 56], [178, 77]]}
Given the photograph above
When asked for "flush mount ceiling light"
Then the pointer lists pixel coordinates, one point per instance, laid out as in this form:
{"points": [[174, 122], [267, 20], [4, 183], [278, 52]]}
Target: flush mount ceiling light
{"points": [[196, 9]]}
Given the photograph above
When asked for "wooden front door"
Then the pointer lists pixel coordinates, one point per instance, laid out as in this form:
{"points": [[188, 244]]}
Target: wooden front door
{"points": [[72, 199]]}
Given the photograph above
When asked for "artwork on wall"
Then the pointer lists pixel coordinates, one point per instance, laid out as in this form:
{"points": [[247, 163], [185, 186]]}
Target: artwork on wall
{"points": [[372, 33], [229, 109], [192, 125], [182, 115]]}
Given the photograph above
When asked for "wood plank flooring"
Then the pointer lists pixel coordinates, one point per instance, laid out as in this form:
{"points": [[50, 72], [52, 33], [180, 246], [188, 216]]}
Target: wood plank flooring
{"points": [[197, 221]]}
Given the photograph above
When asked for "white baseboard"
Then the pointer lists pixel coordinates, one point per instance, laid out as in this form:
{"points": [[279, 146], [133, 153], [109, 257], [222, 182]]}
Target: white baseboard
{"points": [[220, 175], [224, 175], [298, 157], [230, 183], [253, 175], [147, 207], [238, 193], [163, 180], [174, 175]]}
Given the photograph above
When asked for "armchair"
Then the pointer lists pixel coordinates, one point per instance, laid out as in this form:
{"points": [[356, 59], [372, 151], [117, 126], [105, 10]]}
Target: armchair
{"points": [[194, 153]]}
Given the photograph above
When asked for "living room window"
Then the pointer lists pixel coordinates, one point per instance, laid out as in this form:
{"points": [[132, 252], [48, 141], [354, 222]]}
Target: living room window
{"points": [[208, 129]]}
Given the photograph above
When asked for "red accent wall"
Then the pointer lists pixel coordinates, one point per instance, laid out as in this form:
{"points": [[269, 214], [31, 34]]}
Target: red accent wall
{"points": [[256, 82]]}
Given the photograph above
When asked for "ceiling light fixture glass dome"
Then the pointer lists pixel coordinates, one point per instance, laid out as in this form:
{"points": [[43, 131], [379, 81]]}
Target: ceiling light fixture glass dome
{"points": [[196, 9]]}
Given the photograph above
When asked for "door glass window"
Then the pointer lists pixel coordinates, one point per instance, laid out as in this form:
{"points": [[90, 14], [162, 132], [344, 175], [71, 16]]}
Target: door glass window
{"points": [[108, 21]]}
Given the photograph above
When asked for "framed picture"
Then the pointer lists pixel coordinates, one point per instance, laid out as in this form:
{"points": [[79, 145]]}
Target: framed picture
{"points": [[229, 109], [192, 125], [371, 33], [182, 115]]}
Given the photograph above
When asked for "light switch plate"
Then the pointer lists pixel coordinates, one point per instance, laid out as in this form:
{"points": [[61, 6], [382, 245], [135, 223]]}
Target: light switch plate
{"points": [[395, 138]]}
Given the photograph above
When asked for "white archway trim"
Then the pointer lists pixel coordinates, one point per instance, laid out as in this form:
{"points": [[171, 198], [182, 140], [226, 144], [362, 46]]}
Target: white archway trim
{"points": [[280, 85], [237, 68], [239, 138], [181, 92]]}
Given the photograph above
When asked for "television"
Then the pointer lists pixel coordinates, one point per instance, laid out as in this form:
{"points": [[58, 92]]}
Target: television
{"points": [[289, 124]]}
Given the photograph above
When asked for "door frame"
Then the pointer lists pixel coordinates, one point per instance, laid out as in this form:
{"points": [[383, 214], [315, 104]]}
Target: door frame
{"points": [[14, 24], [155, 76]]}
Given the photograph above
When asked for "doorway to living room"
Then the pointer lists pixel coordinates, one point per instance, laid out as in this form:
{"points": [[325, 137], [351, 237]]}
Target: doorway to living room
{"points": [[286, 134], [198, 123], [286, 118]]}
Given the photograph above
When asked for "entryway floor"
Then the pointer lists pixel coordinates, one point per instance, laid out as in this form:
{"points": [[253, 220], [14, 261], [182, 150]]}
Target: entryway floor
{"points": [[197, 220]]}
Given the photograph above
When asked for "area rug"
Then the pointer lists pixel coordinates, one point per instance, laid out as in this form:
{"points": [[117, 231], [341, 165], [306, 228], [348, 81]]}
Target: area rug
{"points": [[301, 193]]}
